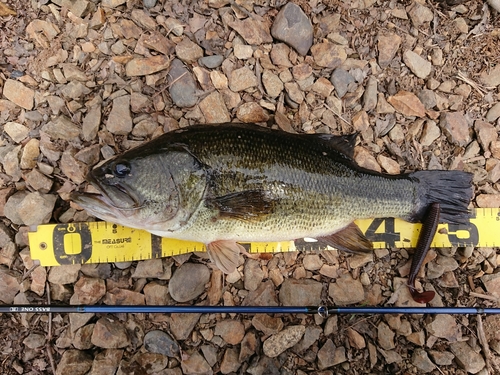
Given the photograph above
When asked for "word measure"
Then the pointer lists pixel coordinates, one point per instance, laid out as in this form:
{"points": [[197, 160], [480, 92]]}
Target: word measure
{"points": [[103, 242]]}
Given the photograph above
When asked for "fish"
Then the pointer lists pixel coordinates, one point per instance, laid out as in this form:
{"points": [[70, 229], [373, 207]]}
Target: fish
{"points": [[222, 184]]}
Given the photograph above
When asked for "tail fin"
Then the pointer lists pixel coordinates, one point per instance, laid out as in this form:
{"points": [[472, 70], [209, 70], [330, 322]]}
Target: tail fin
{"points": [[451, 189]]}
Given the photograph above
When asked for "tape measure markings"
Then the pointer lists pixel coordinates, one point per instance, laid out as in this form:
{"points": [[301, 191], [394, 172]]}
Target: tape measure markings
{"points": [[100, 242]]}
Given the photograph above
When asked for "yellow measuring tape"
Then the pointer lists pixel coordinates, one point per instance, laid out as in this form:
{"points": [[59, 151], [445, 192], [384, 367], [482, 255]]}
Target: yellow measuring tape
{"points": [[102, 242]]}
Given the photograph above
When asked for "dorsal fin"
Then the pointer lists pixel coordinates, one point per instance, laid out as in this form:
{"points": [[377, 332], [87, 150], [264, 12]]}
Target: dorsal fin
{"points": [[342, 143]]}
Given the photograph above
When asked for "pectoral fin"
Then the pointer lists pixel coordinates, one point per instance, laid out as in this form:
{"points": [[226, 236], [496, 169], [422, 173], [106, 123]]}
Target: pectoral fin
{"points": [[225, 254], [244, 205], [349, 239]]}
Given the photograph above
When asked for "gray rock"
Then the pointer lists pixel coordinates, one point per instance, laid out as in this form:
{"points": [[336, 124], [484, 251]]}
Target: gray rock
{"points": [[62, 128], [91, 122], [341, 80], [491, 78], [188, 282], [493, 113], [120, 120], [445, 326], [304, 292], [253, 274], [418, 65], [293, 27], [211, 62], [326, 355], [36, 208], [428, 98], [370, 94], [421, 360], [467, 358], [16, 131], [182, 85], [151, 268], [34, 340], [161, 342], [385, 336], [311, 335]]}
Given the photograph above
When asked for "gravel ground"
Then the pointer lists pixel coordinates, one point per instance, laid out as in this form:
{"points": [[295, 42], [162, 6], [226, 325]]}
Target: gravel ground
{"points": [[81, 81]]}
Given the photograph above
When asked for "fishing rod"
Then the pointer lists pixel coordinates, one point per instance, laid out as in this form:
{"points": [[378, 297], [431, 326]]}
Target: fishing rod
{"points": [[323, 311]]}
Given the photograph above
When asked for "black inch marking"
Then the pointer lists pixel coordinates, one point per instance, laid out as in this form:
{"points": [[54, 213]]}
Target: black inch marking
{"points": [[389, 236], [80, 231], [155, 247], [470, 228]]}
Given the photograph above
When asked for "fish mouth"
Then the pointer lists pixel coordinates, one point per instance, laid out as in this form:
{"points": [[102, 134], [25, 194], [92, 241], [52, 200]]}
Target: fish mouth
{"points": [[111, 199]]}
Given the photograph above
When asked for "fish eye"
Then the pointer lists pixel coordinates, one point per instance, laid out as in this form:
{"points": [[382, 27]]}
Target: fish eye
{"points": [[122, 169]]}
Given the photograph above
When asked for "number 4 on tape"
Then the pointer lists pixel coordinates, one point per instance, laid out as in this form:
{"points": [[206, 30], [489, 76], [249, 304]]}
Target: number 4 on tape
{"points": [[101, 242]]}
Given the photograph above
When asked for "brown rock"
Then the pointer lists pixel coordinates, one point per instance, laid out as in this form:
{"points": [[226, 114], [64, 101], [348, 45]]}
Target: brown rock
{"points": [[242, 79], [328, 55], [9, 284], [253, 31], [231, 331], [407, 103], [118, 296], [486, 133], [355, 339], [272, 83], [454, 125], [110, 334], [467, 358], [267, 324], [144, 66], [214, 109], [251, 112], [62, 128], [230, 362], [16, 131], [188, 51], [89, 291], [36, 208], [30, 154], [488, 200], [195, 364], [388, 45], [19, 94], [106, 362], [385, 336], [277, 344], [74, 362], [346, 290]]}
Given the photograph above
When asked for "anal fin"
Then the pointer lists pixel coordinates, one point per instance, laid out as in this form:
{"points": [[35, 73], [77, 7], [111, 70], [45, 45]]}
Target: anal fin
{"points": [[225, 254], [349, 239]]}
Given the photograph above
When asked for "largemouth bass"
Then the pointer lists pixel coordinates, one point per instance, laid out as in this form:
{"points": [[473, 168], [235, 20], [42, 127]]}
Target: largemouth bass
{"points": [[228, 183]]}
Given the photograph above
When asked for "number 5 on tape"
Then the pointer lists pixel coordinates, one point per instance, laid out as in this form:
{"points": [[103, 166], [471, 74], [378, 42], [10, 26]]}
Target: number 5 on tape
{"points": [[101, 242]]}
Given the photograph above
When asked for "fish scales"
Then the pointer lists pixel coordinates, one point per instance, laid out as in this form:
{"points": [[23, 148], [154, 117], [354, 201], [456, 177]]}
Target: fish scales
{"points": [[219, 184]]}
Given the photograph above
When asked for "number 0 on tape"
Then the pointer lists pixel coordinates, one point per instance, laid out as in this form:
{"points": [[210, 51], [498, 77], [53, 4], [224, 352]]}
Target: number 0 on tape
{"points": [[102, 242]]}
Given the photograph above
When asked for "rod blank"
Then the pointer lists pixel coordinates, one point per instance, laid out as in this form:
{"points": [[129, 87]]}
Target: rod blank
{"points": [[321, 310]]}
